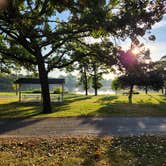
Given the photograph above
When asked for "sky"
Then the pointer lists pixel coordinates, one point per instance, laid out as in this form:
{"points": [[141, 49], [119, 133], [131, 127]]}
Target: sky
{"points": [[157, 47]]}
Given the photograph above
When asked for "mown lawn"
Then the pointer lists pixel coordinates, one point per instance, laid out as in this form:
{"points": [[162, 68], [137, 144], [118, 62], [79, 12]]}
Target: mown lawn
{"points": [[79, 105], [86, 151]]}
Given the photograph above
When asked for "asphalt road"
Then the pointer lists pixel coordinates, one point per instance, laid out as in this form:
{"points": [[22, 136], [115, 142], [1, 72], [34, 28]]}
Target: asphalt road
{"points": [[77, 126]]}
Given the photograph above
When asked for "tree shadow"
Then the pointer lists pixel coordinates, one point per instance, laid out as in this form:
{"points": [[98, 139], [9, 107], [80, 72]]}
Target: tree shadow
{"points": [[123, 126], [160, 101], [8, 125], [77, 98], [25, 109], [15, 109], [106, 99], [94, 125], [163, 97]]}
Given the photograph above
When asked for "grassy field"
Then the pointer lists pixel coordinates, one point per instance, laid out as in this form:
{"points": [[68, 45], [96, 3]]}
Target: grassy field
{"points": [[7, 94], [86, 151], [79, 105]]}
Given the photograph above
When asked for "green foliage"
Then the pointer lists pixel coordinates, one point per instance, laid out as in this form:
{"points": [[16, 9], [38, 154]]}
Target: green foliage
{"points": [[96, 84], [36, 91], [71, 82], [85, 78], [57, 90], [29, 27], [6, 82], [115, 84]]}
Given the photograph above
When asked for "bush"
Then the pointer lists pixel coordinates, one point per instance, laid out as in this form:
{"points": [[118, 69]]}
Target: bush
{"points": [[57, 90], [36, 91]]}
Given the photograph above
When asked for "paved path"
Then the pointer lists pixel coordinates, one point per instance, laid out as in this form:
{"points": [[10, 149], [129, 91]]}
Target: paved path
{"points": [[82, 126]]}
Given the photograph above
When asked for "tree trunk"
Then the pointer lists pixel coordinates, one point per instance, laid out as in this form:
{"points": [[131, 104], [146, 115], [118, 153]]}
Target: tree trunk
{"points": [[95, 79], [44, 86], [146, 89], [95, 85], [162, 90], [86, 83], [130, 94], [86, 92], [96, 91]]}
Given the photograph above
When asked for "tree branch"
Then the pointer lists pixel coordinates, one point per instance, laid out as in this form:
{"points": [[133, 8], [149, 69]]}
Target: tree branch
{"points": [[20, 59], [20, 40], [51, 66]]}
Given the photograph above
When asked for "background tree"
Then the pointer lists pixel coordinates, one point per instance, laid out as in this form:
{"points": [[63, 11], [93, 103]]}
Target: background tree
{"points": [[71, 82], [134, 66], [96, 76], [33, 33], [85, 77], [116, 85], [160, 67], [101, 61]]}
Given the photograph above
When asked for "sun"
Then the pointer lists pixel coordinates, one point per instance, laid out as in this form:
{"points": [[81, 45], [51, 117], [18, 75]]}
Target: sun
{"points": [[135, 50]]}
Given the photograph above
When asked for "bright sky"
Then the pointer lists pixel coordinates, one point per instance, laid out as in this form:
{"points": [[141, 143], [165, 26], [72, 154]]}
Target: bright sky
{"points": [[157, 47]]}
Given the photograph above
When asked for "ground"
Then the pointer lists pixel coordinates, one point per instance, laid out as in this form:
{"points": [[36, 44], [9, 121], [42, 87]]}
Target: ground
{"points": [[147, 113], [152, 104], [87, 151]]}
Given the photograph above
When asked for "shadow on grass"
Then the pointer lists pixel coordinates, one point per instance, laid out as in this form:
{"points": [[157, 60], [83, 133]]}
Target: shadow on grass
{"points": [[15, 109], [111, 106], [107, 99], [30, 109], [9, 111], [105, 125], [76, 98], [160, 101]]}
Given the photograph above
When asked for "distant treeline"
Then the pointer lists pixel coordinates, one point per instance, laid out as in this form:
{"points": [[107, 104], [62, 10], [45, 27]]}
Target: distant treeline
{"points": [[71, 84], [6, 84]]}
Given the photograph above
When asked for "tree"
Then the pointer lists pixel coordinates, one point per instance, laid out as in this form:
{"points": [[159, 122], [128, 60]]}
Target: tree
{"points": [[96, 78], [70, 82], [160, 66], [129, 81], [97, 58], [115, 85], [85, 77], [134, 66], [33, 33], [101, 59], [92, 67], [30, 27]]}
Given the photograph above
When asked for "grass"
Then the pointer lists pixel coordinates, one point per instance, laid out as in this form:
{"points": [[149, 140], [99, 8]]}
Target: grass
{"points": [[86, 151], [7, 94], [79, 105]]}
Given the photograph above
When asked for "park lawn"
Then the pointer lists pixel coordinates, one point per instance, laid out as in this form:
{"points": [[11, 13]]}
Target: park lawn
{"points": [[7, 94], [84, 151], [79, 105]]}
